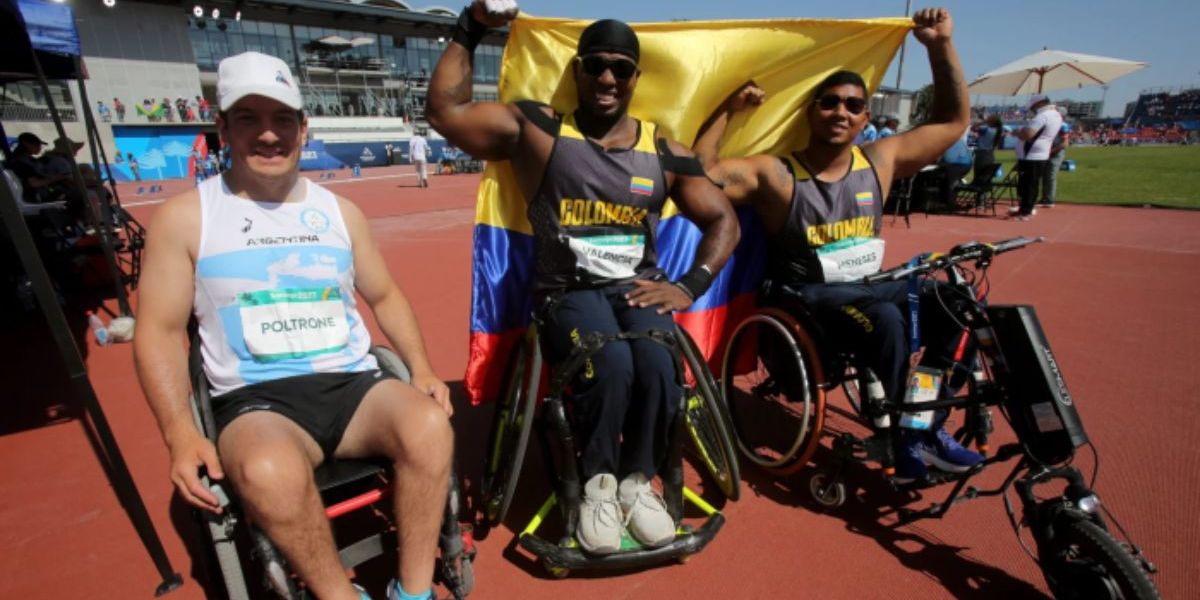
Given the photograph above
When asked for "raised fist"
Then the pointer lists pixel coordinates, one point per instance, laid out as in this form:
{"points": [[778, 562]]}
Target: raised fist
{"points": [[932, 25], [747, 96], [494, 13]]}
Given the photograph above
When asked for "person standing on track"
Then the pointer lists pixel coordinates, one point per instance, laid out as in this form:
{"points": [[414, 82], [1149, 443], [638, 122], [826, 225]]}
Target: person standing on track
{"points": [[596, 180], [418, 153], [821, 208], [269, 264]]}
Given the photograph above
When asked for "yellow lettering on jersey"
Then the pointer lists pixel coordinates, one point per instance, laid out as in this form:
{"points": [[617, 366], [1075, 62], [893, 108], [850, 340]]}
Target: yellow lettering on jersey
{"points": [[575, 212], [824, 233]]}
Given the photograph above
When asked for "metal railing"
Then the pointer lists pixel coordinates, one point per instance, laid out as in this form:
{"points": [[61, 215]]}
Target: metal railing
{"points": [[24, 112]]}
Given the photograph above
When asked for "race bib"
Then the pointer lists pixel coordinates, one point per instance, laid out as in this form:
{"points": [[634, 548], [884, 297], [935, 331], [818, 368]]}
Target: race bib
{"points": [[609, 256], [293, 323], [923, 386], [850, 259]]}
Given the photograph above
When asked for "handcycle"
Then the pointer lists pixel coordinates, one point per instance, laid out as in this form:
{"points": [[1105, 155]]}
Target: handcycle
{"points": [[347, 486], [703, 416], [776, 375]]}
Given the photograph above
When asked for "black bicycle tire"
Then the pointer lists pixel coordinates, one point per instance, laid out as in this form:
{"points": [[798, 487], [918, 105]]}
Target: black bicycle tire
{"points": [[1098, 545], [718, 419], [511, 467]]}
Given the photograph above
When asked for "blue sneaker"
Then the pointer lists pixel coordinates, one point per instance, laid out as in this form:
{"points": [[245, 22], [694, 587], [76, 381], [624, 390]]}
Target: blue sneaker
{"points": [[945, 453], [910, 466], [395, 592]]}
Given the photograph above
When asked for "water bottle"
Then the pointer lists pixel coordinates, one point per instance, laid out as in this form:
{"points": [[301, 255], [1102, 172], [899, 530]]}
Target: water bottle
{"points": [[98, 329], [877, 397]]}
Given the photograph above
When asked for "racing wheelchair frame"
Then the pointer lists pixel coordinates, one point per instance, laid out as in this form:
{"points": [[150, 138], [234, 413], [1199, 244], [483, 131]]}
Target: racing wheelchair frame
{"points": [[353, 484], [703, 415], [1014, 370]]}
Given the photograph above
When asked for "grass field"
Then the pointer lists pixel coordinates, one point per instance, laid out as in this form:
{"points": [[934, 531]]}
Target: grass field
{"points": [[1159, 175]]}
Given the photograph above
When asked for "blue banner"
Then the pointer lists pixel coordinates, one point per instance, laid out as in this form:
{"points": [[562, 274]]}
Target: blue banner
{"points": [[157, 152]]}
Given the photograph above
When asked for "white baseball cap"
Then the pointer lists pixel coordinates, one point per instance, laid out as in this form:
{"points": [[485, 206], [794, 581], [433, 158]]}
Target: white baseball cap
{"points": [[255, 73], [1035, 99]]}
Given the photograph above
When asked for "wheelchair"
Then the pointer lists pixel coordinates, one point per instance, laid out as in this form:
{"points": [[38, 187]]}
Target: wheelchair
{"points": [[779, 366], [346, 485], [703, 416], [777, 372]]}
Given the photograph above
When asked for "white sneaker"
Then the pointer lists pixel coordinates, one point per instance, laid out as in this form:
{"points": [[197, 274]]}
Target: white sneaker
{"points": [[600, 523], [646, 512]]}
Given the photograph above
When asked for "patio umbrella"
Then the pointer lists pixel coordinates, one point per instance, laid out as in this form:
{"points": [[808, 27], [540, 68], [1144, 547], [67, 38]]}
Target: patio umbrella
{"points": [[1048, 70]]}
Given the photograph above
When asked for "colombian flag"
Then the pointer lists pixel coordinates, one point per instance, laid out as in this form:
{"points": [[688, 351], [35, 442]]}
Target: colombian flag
{"points": [[688, 69]]}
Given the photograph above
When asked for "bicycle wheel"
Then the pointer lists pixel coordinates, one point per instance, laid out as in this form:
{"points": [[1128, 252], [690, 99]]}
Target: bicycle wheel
{"points": [[510, 433], [770, 378], [1083, 561], [708, 420]]}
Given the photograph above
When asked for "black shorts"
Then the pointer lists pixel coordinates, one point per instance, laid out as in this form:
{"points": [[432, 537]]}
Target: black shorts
{"points": [[321, 404]]}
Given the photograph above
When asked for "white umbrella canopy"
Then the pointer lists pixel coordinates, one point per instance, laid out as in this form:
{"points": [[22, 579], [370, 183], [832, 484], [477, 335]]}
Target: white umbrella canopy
{"points": [[1048, 70]]}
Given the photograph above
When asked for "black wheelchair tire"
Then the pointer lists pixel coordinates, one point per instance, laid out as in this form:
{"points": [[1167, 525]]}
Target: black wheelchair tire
{"points": [[1085, 561], [710, 419], [509, 438], [802, 361]]}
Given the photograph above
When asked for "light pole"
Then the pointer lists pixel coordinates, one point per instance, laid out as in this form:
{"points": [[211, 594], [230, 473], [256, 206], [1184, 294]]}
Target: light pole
{"points": [[900, 68]]}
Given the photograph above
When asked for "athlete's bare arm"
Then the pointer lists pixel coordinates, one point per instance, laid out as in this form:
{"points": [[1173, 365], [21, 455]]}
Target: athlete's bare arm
{"points": [[703, 203], [762, 181], [390, 306], [904, 154], [487, 130], [160, 348]]}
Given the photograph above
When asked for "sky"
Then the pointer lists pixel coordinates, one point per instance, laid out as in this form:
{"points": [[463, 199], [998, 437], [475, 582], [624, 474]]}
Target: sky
{"points": [[988, 34]]}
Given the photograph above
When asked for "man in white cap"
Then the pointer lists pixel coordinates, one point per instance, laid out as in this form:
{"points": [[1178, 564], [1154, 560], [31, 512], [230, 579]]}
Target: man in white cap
{"points": [[269, 263], [1035, 138]]}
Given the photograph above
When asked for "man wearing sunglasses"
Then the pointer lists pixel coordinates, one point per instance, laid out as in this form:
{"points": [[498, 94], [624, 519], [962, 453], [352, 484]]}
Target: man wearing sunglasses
{"points": [[821, 209], [596, 180]]}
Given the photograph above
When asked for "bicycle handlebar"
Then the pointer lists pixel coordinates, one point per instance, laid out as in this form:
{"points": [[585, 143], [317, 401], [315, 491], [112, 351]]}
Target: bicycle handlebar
{"points": [[960, 253]]}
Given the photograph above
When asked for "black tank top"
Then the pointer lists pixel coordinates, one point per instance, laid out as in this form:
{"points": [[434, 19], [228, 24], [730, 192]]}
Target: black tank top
{"points": [[596, 213], [823, 213]]}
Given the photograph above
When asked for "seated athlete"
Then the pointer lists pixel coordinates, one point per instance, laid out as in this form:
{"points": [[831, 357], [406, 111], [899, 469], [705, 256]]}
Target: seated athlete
{"points": [[269, 263], [596, 181], [821, 208]]}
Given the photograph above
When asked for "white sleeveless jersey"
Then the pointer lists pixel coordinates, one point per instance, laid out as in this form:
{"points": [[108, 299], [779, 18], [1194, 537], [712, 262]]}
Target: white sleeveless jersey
{"points": [[275, 289]]}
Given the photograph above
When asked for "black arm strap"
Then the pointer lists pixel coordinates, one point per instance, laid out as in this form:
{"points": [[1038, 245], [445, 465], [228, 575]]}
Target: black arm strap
{"points": [[533, 111], [680, 165]]}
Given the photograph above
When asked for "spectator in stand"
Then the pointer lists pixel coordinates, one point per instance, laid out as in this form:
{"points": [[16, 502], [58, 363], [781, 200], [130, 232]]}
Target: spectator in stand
{"points": [[1058, 152], [867, 135], [120, 109], [38, 186], [194, 108], [133, 167], [989, 137], [891, 126], [168, 110], [954, 164], [205, 110], [103, 112], [1036, 137]]}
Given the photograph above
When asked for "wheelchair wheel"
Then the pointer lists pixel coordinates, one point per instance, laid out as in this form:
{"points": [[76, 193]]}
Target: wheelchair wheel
{"points": [[708, 420], [770, 378], [390, 363], [510, 434]]}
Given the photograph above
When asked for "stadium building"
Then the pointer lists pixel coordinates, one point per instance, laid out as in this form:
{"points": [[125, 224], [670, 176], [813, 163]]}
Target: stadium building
{"points": [[363, 67]]}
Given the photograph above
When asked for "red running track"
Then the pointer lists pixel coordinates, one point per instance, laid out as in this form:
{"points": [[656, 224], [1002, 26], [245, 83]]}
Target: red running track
{"points": [[1115, 289]]}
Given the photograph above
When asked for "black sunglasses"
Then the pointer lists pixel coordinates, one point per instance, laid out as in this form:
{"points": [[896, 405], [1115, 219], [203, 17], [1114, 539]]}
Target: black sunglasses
{"points": [[854, 104], [595, 66]]}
